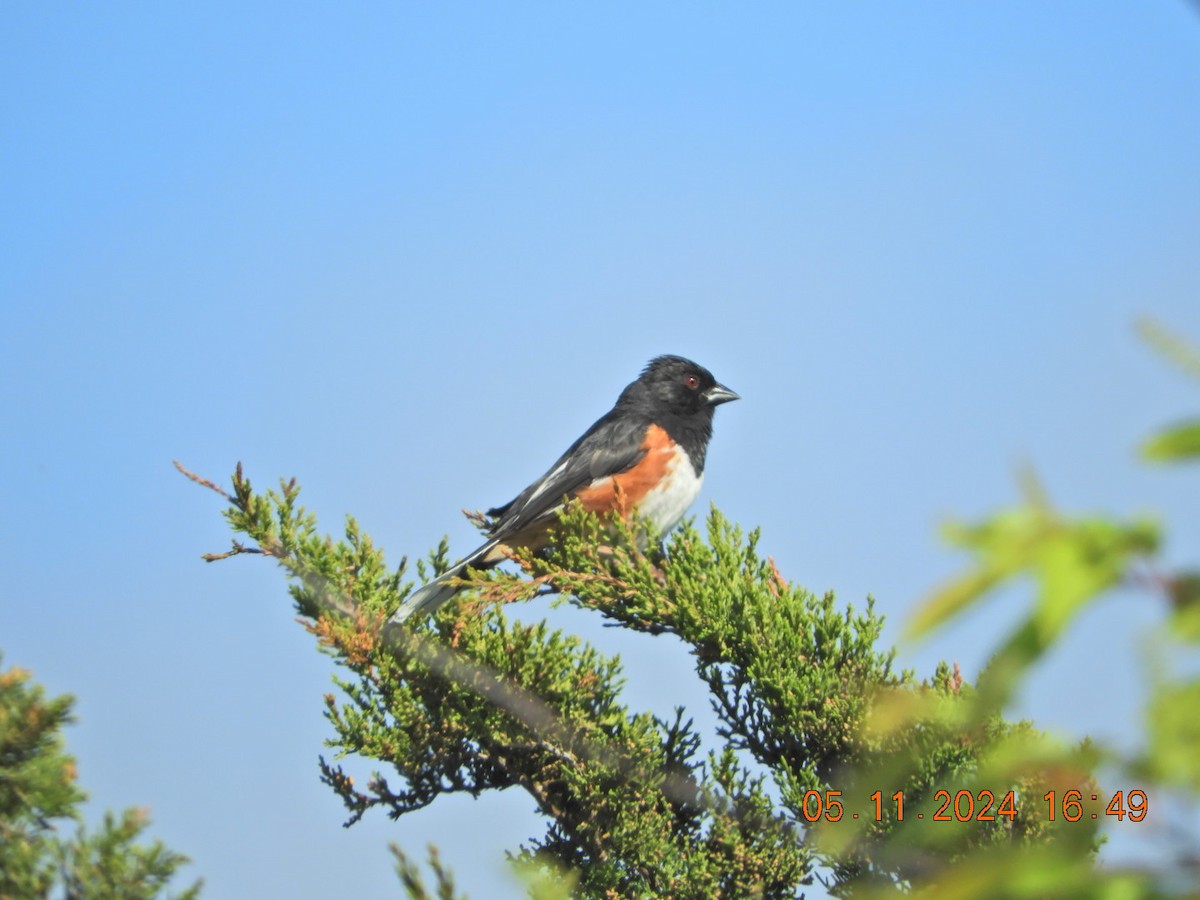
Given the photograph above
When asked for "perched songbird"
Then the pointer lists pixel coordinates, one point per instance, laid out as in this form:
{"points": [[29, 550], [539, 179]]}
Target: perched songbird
{"points": [[645, 455]]}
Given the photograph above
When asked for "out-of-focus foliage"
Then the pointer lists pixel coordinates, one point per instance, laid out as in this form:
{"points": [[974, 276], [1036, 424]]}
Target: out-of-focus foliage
{"points": [[39, 796], [1071, 561]]}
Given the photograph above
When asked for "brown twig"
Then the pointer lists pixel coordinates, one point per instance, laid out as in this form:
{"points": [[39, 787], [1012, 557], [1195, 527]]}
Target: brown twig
{"points": [[778, 584], [478, 518], [203, 482], [237, 549]]}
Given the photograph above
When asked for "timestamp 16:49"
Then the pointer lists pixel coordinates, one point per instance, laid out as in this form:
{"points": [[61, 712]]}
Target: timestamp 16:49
{"points": [[979, 806]]}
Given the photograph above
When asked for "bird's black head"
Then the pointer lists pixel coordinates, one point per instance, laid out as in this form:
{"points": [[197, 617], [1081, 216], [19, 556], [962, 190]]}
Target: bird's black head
{"points": [[680, 396], [672, 385]]}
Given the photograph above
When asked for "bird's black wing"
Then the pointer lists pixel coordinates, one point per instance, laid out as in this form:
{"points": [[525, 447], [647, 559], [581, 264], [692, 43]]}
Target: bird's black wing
{"points": [[609, 447]]}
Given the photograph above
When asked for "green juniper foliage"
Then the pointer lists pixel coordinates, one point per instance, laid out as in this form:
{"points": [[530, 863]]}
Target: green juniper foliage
{"points": [[470, 700], [37, 783], [38, 796]]}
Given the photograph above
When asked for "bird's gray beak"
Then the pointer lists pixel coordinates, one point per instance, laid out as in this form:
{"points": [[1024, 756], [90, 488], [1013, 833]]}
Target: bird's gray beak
{"points": [[718, 394]]}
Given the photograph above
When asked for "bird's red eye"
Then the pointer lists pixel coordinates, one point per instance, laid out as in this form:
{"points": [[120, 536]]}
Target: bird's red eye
{"points": [[691, 382]]}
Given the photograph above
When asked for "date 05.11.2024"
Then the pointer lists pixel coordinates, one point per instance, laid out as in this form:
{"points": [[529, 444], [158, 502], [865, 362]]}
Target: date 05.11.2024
{"points": [[980, 806]]}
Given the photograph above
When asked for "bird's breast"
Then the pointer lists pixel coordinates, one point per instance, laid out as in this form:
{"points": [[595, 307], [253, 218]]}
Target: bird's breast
{"points": [[666, 503], [659, 487]]}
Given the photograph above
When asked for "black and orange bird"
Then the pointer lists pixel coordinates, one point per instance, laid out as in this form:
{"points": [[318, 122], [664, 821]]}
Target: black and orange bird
{"points": [[644, 456]]}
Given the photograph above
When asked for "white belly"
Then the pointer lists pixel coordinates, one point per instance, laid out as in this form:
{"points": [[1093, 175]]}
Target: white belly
{"points": [[666, 504]]}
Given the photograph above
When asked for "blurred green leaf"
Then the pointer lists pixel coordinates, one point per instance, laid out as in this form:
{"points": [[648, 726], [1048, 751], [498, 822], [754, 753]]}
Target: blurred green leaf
{"points": [[952, 598], [1184, 354], [1174, 733], [1005, 545], [1034, 873], [1083, 559], [544, 879], [1178, 442], [1072, 560], [414, 884], [1184, 591]]}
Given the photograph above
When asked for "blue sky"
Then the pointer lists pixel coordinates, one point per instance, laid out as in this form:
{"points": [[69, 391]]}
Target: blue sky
{"points": [[407, 253]]}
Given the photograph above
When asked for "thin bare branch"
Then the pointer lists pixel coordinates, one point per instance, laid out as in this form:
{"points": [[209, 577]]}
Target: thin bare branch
{"points": [[238, 548], [203, 482]]}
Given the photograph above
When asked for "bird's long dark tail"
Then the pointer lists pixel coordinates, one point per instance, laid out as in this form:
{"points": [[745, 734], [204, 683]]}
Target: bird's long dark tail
{"points": [[429, 598]]}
